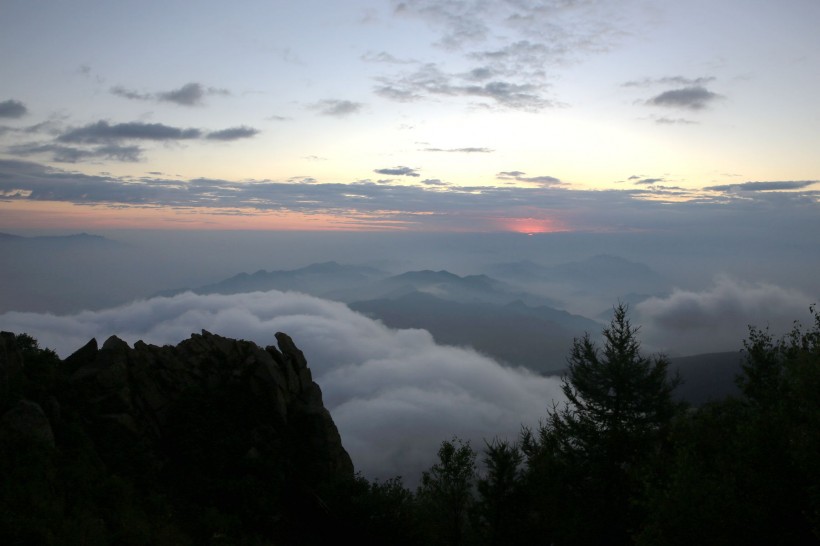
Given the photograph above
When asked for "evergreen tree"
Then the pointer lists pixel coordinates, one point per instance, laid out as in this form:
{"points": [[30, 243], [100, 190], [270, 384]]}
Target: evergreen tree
{"points": [[619, 405], [498, 510], [446, 492], [747, 470]]}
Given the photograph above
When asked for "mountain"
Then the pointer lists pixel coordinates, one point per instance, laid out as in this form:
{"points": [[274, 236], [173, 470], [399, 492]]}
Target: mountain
{"points": [[77, 238], [317, 279], [538, 338], [350, 283], [707, 377], [214, 437], [444, 285], [602, 273]]}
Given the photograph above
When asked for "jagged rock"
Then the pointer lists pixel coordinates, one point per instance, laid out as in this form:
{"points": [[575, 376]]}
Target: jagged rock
{"points": [[211, 438], [26, 421], [144, 395]]}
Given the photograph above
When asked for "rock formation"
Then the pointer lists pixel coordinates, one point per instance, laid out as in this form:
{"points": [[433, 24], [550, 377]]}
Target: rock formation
{"points": [[212, 437]]}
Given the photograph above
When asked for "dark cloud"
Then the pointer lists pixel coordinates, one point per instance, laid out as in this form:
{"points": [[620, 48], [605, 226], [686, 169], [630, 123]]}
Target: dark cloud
{"points": [[693, 98], [434, 182], [671, 80], [676, 121], [130, 94], [398, 171], [519, 96], [103, 140], [102, 132], [424, 206], [233, 133], [428, 80], [70, 154], [12, 109], [481, 73], [337, 108], [764, 186], [646, 181], [519, 176], [190, 94], [461, 150]]}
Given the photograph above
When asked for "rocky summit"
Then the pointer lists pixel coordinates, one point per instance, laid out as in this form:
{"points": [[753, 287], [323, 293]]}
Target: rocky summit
{"points": [[214, 437]]}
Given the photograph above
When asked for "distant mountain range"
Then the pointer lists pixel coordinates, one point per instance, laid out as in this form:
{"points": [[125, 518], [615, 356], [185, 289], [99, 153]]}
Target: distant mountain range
{"points": [[319, 279], [603, 273], [514, 333]]}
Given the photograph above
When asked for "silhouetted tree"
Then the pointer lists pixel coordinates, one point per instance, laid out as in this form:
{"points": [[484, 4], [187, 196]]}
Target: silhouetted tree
{"points": [[618, 408], [499, 508], [446, 491], [747, 470]]}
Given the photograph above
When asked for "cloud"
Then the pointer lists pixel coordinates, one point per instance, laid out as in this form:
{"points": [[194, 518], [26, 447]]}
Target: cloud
{"points": [[693, 98], [506, 49], [764, 186], [434, 182], [674, 121], [394, 394], [102, 131], [545, 181], [716, 319], [424, 206], [428, 80], [645, 181], [398, 171], [671, 80], [71, 154], [383, 57], [461, 150], [130, 94], [12, 109], [103, 140], [337, 108], [190, 94], [233, 133]]}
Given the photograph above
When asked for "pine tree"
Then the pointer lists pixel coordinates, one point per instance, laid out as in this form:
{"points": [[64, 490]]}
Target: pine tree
{"points": [[619, 405]]}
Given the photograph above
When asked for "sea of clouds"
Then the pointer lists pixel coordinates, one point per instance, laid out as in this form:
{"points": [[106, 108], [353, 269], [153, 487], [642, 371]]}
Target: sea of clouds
{"points": [[393, 394]]}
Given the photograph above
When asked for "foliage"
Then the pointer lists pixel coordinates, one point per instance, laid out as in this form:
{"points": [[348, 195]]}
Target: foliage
{"points": [[446, 492], [590, 454], [498, 509], [747, 470]]}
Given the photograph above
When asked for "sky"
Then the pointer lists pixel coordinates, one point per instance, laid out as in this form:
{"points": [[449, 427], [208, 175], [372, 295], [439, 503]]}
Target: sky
{"points": [[418, 115]]}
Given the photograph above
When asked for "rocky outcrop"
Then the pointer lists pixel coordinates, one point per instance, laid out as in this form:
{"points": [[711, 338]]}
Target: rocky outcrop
{"points": [[264, 398], [230, 438]]}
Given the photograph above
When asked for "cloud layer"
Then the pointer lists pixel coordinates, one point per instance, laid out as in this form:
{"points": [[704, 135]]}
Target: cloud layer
{"points": [[708, 318], [429, 205], [394, 394]]}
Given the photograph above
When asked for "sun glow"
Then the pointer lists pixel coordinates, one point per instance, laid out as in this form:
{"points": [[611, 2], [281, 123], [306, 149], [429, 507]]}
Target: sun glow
{"points": [[531, 226]]}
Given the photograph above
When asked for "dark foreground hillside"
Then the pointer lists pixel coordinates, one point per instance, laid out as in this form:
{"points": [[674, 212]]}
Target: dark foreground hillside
{"points": [[218, 441]]}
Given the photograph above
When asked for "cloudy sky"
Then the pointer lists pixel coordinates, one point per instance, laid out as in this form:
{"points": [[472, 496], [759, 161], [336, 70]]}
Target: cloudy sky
{"points": [[450, 115]]}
